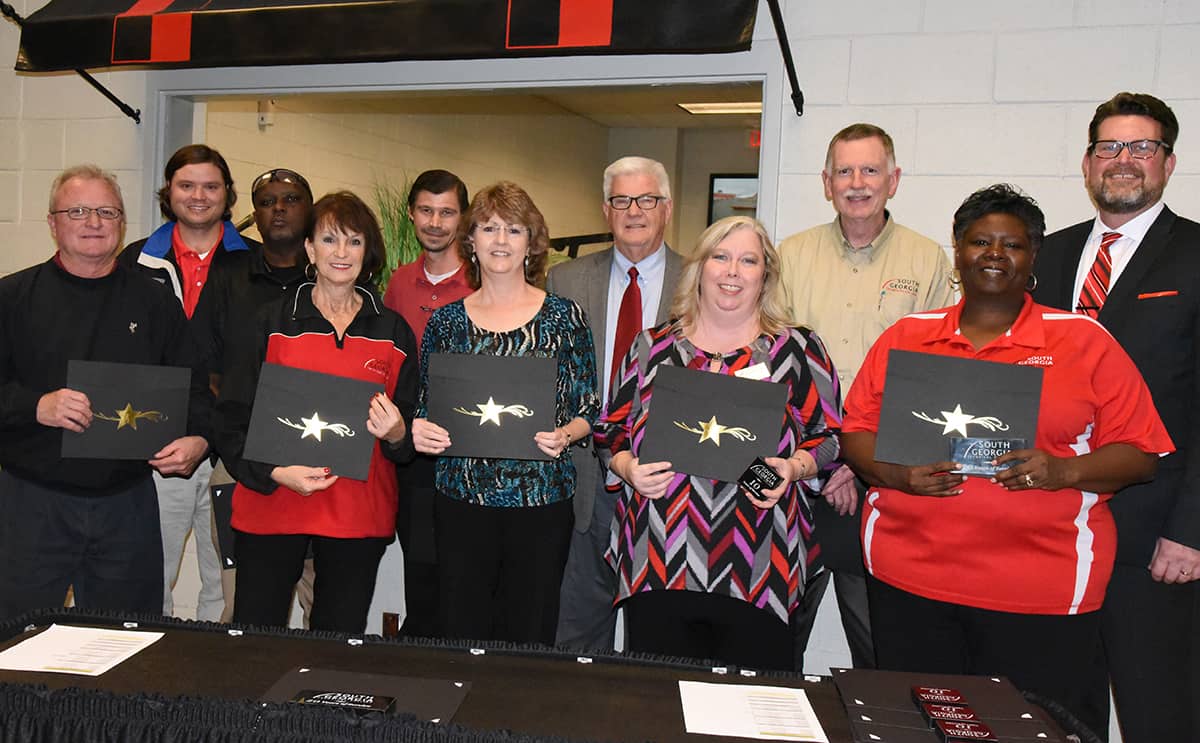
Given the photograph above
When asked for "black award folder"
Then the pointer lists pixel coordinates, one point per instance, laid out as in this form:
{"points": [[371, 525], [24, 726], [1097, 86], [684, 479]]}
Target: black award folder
{"points": [[492, 405], [930, 400], [136, 409], [712, 425], [314, 419]]}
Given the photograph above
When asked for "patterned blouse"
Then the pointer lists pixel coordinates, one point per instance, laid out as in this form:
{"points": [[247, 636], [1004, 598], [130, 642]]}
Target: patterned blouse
{"points": [[558, 330], [705, 535]]}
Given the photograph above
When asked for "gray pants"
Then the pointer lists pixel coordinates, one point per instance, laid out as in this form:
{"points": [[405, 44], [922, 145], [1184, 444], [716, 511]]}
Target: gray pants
{"points": [[586, 617], [185, 505]]}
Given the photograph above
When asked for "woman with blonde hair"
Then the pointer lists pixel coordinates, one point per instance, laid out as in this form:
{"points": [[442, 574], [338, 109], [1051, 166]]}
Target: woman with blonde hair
{"points": [[705, 568]]}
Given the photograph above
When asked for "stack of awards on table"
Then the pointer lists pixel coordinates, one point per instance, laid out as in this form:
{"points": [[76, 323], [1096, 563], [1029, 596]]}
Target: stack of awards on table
{"points": [[942, 408], [713, 425], [492, 405], [898, 707], [136, 409], [312, 419]]}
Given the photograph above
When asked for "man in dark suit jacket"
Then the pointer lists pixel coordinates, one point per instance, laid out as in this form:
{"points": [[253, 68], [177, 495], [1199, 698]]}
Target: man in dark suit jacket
{"points": [[1150, 621], [637, 206]]}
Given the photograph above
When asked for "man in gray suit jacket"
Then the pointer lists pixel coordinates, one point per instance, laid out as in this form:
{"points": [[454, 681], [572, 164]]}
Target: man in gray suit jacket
{"points": [[637, 206]]}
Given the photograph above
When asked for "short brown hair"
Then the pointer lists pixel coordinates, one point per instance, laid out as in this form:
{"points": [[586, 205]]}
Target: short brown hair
{"points": [[862, 131], [195, 154], [1137, 104], [344, 212], [509, 202], [773, 312]]}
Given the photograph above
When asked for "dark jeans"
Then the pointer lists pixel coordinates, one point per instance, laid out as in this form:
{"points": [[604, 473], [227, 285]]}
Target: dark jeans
{"points": [[270, 564], [109, 548], [586, 618], [501, 569]]}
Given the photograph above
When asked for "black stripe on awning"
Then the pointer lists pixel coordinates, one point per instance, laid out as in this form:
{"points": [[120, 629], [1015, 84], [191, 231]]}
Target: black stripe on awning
{"points": [[71, 34]]}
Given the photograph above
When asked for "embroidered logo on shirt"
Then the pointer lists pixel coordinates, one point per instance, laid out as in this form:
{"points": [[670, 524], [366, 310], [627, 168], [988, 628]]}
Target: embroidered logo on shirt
{"points": [[901, 286], [1044, 360], [132, 328], [378, 366]]}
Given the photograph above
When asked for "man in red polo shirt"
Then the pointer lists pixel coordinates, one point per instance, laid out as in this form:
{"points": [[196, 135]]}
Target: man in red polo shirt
{"points": [[436, 203], [196, 198]]}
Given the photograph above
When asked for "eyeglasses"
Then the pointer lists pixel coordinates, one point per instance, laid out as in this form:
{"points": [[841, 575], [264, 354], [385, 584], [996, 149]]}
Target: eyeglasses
{"points": [[281, 175], [83, 212], [645, 201], [494, 230], [1139, 149]]}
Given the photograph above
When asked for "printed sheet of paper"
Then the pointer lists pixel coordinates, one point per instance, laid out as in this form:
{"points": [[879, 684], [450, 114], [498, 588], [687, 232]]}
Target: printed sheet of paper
{"points": [[766, 712], [85, 651]]}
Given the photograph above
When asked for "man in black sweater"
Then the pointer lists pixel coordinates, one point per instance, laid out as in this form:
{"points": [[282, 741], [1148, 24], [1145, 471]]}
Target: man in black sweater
{"points": [[87, 524]]}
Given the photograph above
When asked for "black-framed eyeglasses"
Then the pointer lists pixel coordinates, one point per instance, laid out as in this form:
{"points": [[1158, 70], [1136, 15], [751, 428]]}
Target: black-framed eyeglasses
{"points": [[1139, 149], [645, 201], [83, 212], [281, 175]]}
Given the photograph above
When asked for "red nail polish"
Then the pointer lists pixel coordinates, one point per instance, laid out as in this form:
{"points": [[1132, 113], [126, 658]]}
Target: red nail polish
{"points": [[327, 470]]}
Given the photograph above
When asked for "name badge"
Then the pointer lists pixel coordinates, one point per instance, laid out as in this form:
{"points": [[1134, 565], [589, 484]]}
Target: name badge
{"points": [[755, 371]]}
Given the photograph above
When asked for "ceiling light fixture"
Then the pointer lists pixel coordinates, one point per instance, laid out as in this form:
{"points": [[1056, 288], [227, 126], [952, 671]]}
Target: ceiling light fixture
{"points": [[726, 107]]}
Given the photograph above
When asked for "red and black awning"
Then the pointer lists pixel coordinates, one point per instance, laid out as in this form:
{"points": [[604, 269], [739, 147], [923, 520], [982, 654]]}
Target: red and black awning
{"points": [[83, 34]]}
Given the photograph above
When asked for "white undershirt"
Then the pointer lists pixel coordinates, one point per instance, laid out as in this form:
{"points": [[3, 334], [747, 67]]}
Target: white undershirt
{"points": [[1132, 234]]}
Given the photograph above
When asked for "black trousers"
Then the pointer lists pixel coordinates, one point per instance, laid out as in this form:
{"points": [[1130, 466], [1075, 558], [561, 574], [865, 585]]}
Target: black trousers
{"points": [[109, 548], [707, 626], [1051, 655], [500, 569], [270, 564], [1151, 635], [415, 530]]}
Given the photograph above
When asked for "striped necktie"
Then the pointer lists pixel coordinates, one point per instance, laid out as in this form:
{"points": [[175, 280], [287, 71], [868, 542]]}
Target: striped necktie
{"points": [[1095, 286]]}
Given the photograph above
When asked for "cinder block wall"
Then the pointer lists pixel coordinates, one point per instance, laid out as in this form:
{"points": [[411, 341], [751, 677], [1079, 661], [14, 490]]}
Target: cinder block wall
{"points": [[975, 93]]}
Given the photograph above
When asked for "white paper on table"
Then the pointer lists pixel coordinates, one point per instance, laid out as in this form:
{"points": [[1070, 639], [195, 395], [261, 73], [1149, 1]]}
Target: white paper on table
{"points": [[744, 711], [85, 651]]}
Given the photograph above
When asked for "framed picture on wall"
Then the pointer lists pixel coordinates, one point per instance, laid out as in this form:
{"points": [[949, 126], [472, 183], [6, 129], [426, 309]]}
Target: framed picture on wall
{"points": [[732, 193]]}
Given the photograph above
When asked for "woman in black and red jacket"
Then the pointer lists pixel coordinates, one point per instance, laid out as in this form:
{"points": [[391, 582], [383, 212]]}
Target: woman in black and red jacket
{"points": [[334, 325]]}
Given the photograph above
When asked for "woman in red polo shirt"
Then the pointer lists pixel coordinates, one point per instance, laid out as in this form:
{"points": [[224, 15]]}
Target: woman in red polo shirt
{"points": [[1004, 575]]}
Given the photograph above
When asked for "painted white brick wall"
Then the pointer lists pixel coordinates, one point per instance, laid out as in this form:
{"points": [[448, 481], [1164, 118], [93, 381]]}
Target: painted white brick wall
{"points": [[973, 92]]}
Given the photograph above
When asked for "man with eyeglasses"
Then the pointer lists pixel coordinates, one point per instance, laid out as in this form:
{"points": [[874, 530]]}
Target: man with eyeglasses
{"points": [[246, 281], [623, 290], [436, 202], [197, 198], [849, 280], [90, 524], [1135, 268]]}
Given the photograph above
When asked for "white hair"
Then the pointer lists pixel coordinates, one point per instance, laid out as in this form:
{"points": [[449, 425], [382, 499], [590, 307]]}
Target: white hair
{"points": [[635, 165]]}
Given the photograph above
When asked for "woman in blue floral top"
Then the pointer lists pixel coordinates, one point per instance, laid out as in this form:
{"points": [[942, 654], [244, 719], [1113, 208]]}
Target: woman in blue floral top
{"points": [[504, 525]]}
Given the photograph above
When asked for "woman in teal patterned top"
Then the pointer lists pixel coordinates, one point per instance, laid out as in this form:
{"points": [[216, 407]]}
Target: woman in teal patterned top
{"points": [[503, 525]]}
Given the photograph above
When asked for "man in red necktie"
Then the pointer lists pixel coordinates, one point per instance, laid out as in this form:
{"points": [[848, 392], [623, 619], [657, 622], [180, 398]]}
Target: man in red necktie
{"points": [[623, 290], [1135, 267]]}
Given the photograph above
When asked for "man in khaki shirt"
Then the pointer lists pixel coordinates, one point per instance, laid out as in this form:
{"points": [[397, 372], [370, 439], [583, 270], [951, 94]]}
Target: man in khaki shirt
{"points": [[850, 280]]}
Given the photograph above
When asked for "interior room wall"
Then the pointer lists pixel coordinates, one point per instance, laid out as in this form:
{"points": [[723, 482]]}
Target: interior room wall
{"points": [[974, 93], [338, 143], [704, 152]]}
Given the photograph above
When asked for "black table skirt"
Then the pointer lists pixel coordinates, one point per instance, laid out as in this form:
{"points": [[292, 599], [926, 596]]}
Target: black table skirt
{"points": [[200, 682]]}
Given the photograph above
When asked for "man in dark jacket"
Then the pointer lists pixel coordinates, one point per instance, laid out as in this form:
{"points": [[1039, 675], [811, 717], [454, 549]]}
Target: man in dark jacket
{"points": [[88, 524], [196, 198]]}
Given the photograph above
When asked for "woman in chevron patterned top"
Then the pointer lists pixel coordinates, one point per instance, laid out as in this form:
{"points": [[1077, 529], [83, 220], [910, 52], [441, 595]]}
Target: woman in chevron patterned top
{"points": [[706, 569]]}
